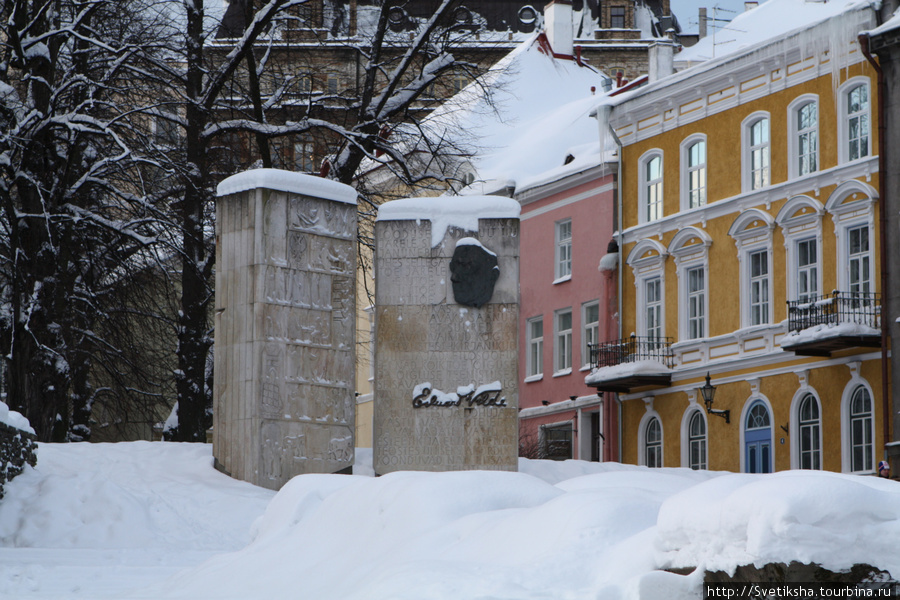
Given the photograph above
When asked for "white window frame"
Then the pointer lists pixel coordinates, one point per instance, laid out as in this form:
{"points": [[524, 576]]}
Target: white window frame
{"points": [[856, 382], [800, 219], [748, 148], [644, 209], [752, 232], [590, 332], [686, 439], [690, 247], [647, 260], [562, 342], [796, 426], [794, 134], [755, 397], [657, 304], [562, 270], [844, 118], [852, 205], [688, 170], [535, 352], [642, 435]]}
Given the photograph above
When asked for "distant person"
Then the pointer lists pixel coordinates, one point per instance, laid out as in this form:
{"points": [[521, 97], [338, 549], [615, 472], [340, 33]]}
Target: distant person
{"points": [[884, 469]]}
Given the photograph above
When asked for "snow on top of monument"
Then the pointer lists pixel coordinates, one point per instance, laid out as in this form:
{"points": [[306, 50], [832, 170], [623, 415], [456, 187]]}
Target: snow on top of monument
{"points": [[14, 419], [444, 212], [527, 115], [287, 181], [771, 19]]}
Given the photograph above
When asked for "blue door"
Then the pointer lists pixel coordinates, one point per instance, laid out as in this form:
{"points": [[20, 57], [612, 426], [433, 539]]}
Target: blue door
{"points": [[758, 440]]}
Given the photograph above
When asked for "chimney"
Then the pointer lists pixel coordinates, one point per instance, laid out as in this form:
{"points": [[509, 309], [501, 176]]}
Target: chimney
{"points": [[750, 5], [702, 23], [558, 26], [661, 57]]}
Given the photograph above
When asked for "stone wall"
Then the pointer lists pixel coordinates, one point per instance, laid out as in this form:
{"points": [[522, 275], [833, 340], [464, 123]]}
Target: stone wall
{"points": [[446, 372], [17, 448], [285, 374]]}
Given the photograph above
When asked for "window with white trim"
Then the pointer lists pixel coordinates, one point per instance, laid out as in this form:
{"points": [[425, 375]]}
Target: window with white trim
{"points": [[807, 270], [810, 451], [852, 206], [563, 249], [693, 172], [590, 329], [759, 154], [804, 136], [697, 441], [653, 456], [855, 120], [696, 297], [651, 191], [653, 307], [535, 331], [861, 423], [563, 347], [859, 260], [759, 287]]}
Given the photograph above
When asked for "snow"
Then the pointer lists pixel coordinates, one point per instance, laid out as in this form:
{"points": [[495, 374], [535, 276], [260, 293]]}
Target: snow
{"points": [[771, 19], [287, 181], [626, 369], [828, 331], [535, 118], [14, 419], [609, 262], [444, 212], [470, 241], [155, 520]]}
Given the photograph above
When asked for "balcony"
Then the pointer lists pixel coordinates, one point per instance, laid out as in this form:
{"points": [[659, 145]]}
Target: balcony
{"points": [[832, 322], [625, 365]]}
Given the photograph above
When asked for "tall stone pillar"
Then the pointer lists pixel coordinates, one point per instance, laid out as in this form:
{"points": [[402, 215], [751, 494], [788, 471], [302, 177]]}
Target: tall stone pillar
{"points": [[446, 350], [284, 397]]}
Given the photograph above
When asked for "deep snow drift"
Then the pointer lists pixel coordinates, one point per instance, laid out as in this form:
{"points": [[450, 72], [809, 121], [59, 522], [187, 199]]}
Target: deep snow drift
{"points": [[120, 521]]}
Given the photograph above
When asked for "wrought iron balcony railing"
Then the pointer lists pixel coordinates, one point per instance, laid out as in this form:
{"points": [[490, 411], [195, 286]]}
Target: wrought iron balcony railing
{"points": [[632, 349], [834, 309]]}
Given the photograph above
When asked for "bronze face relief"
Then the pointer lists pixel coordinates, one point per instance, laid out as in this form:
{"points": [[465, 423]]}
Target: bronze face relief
{"points": [[473, 273]]}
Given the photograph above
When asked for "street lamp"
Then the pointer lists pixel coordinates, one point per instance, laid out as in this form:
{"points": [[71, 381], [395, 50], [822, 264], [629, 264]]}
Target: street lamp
{"points": [[708, 392]]}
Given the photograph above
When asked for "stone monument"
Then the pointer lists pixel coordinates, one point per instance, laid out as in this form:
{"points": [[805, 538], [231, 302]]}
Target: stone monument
{"points": [[446, 349], [285, 370]]}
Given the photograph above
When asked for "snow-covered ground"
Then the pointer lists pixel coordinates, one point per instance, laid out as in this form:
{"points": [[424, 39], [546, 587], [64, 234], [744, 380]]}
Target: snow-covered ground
{"points": [[155, 520]]}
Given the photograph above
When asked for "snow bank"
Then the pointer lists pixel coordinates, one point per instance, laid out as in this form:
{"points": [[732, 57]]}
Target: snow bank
{"points": [[14, 419], [287, 181], [444, 212]]}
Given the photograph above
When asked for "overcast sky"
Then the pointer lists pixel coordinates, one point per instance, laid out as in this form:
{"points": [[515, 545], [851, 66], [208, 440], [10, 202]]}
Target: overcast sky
{"points": [[687, 12]]}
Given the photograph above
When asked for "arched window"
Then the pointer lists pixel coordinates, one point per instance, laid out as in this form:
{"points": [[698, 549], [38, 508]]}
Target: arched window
{"points": [[810, 433], [758, 154], [861, 427], [758, 439], [651, 192], [804, 140], [653, 443], [697, 441], [854, 133]]}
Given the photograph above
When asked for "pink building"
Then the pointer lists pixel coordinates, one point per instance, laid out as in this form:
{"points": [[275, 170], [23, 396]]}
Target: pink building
{"points": [[569, 283]]}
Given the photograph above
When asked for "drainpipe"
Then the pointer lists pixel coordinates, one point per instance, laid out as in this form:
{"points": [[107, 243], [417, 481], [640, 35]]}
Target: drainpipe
{"points": [[887, 399]]}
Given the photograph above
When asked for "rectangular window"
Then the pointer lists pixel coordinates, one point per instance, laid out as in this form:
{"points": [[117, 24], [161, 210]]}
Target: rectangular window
{"points": [[556, 442], [564, 249], [617, 17], [759, 287], [759, 154], [696, 303], [590, 328], [303, 156], [807, 271], [807, 139], [860, 281], [563, 354], [653, 304], [697, 174], [535, 347]]}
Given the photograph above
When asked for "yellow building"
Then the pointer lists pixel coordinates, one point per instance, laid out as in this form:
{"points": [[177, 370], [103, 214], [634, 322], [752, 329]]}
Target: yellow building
{"points": [[749, 220]]}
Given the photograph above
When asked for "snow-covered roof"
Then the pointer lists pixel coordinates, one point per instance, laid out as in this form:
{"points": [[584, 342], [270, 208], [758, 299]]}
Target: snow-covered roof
{"points": [[443, 212], [287, 181], [770, 20], [889, 25], [529, 114]]}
